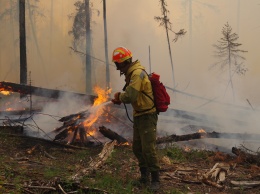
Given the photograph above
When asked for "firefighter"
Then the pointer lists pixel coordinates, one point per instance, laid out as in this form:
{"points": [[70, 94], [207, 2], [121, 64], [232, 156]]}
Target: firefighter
{"points": [[145, 116]]}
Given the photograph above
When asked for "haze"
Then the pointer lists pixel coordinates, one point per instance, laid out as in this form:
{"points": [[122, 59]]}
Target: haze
{"points": [[131, 24]]}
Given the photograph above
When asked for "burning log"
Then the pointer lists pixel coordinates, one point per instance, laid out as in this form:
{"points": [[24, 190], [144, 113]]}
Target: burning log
{"points": [[72, 123], [112, 135], [198, 135], [38, 91]]}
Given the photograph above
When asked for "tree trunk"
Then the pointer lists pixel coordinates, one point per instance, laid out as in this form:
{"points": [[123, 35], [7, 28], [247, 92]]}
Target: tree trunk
{"points": [[88, 50], [22, 31], [106, 46]]}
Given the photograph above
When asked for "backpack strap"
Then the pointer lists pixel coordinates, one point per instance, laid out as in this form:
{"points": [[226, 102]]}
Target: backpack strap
{"points": [[127, 80]]}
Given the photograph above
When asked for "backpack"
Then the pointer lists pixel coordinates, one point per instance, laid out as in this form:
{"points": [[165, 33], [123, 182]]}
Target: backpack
{"points": [[161, 96]]}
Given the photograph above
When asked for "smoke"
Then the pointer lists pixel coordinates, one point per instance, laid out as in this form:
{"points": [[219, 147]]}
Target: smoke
{"points": [[131, 26]]}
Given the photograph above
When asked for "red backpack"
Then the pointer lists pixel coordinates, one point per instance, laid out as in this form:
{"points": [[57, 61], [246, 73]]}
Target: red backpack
{"points": [[161, 96]]}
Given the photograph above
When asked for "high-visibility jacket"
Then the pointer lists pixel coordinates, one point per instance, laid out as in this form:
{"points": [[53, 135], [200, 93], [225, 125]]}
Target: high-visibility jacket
{"points": [[137, 82]]}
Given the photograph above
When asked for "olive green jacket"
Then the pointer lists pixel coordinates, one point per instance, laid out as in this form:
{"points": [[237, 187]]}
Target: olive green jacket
{"points": [[137, 82]]}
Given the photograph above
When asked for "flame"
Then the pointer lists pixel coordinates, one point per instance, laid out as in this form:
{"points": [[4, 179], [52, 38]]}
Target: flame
{"points": [[5, 93], [201, 131], [103, 96], [187, 149], [9, 109]]}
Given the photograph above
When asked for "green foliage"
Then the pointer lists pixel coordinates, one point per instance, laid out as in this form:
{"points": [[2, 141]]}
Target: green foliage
{"points": [[178, 154], [175, 153], [111, 184]]}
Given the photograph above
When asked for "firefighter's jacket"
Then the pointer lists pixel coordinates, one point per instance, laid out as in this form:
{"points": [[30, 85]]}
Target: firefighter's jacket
{"points": [[137, 82]]}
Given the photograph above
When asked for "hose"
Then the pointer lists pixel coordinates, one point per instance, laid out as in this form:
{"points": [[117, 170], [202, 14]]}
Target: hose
{"points": [[127, 114]]}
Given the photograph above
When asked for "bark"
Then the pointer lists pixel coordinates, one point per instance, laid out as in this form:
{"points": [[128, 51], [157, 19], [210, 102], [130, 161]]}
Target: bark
{"points": [[112, 135]]}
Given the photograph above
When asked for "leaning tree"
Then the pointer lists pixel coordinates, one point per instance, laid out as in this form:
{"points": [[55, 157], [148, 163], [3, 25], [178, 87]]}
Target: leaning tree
{"points": [[231, 60], [165, 22]]}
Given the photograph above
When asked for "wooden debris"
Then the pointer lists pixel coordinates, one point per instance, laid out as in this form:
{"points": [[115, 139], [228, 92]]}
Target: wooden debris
{"points": [[246, 157], [245, 183], [112, 135], [216, 176], [176, 138], [96, 163], [211, 183]]}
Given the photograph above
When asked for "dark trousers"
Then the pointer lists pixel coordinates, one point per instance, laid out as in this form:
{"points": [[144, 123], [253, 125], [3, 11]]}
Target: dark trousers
{"points": [[144, 141]]}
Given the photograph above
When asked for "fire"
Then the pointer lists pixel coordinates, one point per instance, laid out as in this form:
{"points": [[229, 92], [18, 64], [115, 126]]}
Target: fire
{"points": [[103, 95], [187, 149], [79, 127], [97, 110], [201, 131], [9, 109], [5, 93]]}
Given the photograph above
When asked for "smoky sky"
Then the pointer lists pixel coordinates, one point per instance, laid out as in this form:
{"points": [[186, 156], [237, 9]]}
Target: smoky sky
{"points": [[53, 64]]}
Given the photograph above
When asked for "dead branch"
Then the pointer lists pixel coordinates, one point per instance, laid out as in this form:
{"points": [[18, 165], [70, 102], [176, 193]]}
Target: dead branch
{"points": [[208, 182], [61, 189], [245, 183], [94, 164], [246, 157], [40, 187]]}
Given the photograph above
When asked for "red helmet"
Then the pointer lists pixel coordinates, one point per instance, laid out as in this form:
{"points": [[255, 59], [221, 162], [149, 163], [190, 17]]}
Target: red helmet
{"points": [[121, 54]]}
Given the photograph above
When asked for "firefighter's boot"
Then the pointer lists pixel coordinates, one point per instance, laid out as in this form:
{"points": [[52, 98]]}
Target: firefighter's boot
{"points": [[144, 178], [155, 183]]}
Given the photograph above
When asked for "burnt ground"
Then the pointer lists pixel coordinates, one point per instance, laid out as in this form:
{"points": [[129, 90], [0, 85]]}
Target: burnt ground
{"points": [[31, 165]]}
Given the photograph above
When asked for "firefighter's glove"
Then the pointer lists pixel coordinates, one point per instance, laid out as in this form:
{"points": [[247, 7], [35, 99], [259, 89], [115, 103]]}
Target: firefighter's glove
{"points": [[116, 99]]}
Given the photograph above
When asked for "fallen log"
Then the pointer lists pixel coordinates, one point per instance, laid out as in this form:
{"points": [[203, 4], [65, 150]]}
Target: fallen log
{"points": [[112, 135], [245, 183], [38, 91], [176, 138], [246, 157]]}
